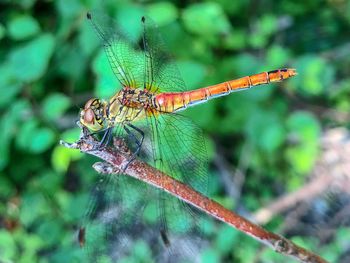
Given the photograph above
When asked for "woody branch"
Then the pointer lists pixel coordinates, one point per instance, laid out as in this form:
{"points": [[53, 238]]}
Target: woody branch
{"points": [[116, 160]]}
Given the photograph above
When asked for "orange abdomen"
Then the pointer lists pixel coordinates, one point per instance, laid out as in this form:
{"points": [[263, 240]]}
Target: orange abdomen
{"points": [[174, 101]]}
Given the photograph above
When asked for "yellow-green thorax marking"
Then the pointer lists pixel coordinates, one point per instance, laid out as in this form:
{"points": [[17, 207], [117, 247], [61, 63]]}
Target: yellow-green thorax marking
{"points": [[125, 106]]}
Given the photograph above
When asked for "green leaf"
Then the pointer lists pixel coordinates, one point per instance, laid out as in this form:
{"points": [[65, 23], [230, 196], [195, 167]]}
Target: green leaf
{"points": [[304, 130], [192, 73], [142, 251], [69, 8], [272, 137], [27, 4], [22, 27], [33, 206], [264, 130], [277, 57], [11, 91], [33, 138], [226, 238], [88, 41], [208, 16], [55, 105], [74, 64], [207, 226], [302, 159], [150, 213], [9, 86], [268, 24], [210, 256], [236, 40], [203, 120], [7, 189], [305, 126], [71, 134], [2, 31], [245, 249], [245, 64], [8, 248], [234, 120], [62, 157], [29, 62], [77, 207], [257, 40], [9, 123], [26, 132], [129, 19], [315, 74], [50, 231], [47, 181], [162, 13], [41, 140], [264, 28], [31, 244]]}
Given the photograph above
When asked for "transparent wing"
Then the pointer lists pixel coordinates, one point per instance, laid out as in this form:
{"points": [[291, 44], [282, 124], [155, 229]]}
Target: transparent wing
{"points": [[129, 215], [147, 66], [179, 148], [161, 73], [126, 213], [124, 56], [115, 222]]}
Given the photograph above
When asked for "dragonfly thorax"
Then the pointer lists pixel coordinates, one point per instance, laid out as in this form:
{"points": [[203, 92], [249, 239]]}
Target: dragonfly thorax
{"points": [[129, 105], [136, 98]]}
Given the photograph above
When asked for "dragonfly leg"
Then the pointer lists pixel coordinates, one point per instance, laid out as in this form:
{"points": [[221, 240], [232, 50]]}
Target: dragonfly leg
{"points": [[139, 142], [106, 137], [136, 140]]}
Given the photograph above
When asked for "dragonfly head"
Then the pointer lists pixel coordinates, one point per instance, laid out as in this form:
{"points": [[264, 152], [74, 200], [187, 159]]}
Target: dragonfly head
{"points": [[93, 115]]}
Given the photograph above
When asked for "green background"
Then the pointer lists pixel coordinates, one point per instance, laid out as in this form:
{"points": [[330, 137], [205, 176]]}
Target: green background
{"points": [[51, 62]]}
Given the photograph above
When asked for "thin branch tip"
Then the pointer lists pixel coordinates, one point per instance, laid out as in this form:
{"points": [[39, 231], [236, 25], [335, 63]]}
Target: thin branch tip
{"points": [[72, 145]]}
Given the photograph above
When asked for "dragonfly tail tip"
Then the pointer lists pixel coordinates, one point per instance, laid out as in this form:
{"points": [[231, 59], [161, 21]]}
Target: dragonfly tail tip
{"points": [[88, 15], [292, 72]]}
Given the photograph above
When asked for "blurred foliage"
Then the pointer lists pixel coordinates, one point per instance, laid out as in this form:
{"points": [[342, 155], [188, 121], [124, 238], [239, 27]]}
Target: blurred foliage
{"points": [[51, 63]]}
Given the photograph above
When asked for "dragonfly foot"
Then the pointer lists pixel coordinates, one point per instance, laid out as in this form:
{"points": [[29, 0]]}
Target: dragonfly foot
{"points": [[128, 163]]}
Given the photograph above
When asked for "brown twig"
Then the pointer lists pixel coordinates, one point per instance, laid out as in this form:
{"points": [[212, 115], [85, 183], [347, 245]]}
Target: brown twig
{"points": [[331, 172], [308, 192], [117, 159]]}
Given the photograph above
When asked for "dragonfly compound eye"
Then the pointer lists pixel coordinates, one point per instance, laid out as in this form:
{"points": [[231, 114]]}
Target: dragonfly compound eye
{"points": [[93, 115], [89, 116]]}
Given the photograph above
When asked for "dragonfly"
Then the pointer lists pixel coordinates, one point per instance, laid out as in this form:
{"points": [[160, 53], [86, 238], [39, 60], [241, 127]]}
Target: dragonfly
{"points": [[145, 111]]}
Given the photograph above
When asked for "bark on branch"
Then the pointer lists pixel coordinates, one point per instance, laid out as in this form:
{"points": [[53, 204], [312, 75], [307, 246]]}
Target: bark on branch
{"points": [[116, 159]]}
